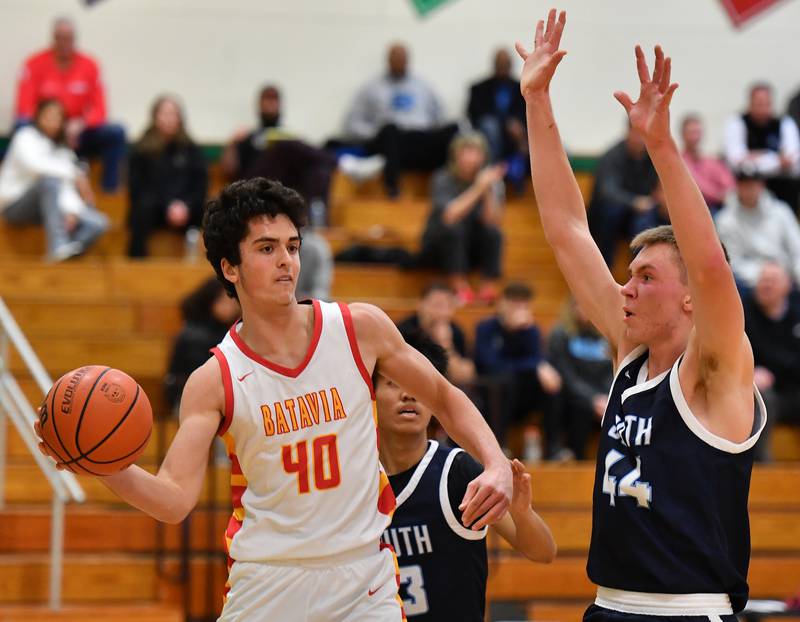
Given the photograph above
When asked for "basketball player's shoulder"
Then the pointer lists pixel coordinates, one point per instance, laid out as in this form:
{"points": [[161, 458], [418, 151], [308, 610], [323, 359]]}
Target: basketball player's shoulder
{"points": [[205, 385], [370, 322]]}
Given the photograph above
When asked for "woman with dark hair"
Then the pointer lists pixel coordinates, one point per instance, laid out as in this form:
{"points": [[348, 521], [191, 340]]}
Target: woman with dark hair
{"points": [[41, 182], [167, 177], [207, 313]]}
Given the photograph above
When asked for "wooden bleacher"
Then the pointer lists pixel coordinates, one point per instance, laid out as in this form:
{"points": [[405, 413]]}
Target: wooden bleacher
{"points": [[106, 309]]}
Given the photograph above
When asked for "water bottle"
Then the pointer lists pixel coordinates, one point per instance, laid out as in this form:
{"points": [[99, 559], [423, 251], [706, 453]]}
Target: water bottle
{"points": [[317, 213], [192, 244], [532, 451]]}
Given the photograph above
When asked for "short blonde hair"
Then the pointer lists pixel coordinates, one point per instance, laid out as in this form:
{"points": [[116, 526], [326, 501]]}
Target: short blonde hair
{"points": [[664, 234]]}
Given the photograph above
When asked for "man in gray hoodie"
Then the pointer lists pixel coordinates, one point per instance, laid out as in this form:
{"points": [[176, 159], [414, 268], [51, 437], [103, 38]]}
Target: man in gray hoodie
{"points": [[399, 116], [757, 228]]}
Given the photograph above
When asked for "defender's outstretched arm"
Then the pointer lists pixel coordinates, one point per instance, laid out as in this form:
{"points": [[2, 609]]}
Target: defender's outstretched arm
{"points": [[558, 196]]}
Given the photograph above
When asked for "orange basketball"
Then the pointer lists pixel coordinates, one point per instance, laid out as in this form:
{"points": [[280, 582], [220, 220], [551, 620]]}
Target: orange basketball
{"points": [[96, 420]]}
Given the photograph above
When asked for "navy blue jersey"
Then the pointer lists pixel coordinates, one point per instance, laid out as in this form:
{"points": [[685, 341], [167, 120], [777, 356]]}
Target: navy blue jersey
{"points": [[443, 565], [670, 497]]}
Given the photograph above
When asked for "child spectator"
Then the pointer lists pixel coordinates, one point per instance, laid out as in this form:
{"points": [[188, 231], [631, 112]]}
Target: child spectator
{"points": [[463, 229], [509, 352]]}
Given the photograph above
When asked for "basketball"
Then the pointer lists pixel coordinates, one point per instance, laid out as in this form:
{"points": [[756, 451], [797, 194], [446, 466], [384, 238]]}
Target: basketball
{"points": [[96, 420]]}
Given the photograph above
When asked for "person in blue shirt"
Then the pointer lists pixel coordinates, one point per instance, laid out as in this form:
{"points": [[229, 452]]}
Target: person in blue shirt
{"points": [[509, 354], [582, 357]]}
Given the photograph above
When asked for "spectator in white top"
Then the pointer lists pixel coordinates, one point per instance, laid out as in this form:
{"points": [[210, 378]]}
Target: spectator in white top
{"points": [[42, 183], [399, 117], [756, 229], [767, 142]]}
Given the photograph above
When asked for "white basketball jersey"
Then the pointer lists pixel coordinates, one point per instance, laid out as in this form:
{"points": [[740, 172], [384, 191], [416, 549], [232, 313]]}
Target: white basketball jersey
{"points": [[305, 476]]}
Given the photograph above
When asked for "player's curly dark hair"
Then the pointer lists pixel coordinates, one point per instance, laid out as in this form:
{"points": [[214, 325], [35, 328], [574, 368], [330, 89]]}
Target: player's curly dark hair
{"points": [[226, 219]]}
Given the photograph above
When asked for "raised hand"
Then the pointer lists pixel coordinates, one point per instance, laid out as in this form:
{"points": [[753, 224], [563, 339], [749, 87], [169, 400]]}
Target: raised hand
{"points": [[541, 63], [521, 497], [649, 115]]}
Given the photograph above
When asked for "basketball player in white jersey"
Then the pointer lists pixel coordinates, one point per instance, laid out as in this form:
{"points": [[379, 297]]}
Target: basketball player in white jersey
{"points": [[670, 533], [290, 391]]}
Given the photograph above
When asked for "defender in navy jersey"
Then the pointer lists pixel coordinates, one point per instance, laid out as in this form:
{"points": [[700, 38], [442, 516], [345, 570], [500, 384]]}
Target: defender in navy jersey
{"points": [[670, 533], [443, 565]]}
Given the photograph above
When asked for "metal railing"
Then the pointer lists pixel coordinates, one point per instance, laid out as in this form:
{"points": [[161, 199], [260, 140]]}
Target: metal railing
{"points": [[14, 405]]}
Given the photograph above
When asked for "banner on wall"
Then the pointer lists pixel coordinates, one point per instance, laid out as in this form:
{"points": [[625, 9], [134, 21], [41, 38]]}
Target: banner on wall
{"points": [[741, 11], [426, 6]]}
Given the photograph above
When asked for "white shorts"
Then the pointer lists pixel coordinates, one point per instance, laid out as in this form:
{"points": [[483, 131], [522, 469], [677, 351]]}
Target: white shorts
{"points": [[339, 589]]}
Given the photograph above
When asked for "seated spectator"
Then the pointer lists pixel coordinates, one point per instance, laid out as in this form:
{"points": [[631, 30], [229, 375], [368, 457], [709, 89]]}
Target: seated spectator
{"points": [[435, 318], [757, 228], [207, 313], [770, 143], [41, 182], [316, 272], [581, 356], [399, 117], [246, 144], [712, 176], [623, 185], [655, 216], [509, 352], [167, 179], [463, 228], [497, 110], [772, 323], [73, 78], [275, 153]]}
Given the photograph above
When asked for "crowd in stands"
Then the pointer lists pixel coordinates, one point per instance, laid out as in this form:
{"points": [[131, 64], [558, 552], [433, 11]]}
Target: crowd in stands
{"points": [[395, 123]]}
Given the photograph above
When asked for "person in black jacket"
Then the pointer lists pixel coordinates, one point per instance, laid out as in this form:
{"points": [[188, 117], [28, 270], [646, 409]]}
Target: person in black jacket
{"points": [[582, 357], [497, 109], [772, 323], [623, 190], [207, 313], [167, 178]]}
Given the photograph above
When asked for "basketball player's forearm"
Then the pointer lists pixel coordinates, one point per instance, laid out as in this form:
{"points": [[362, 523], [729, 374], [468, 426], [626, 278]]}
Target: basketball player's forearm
{"points": [[155, 495], [465, 425], [558, 196], [532, 536], [690, 217]]}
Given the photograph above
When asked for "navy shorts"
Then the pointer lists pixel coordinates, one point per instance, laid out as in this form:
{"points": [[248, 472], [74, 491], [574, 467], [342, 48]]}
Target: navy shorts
{"points": [[599, 614]]}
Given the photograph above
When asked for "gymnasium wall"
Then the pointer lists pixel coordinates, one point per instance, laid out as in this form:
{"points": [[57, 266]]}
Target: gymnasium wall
{"points": [[215, 53]]}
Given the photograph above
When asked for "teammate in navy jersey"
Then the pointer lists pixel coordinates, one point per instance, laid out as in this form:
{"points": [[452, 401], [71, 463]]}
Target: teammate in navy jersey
{"points": [[670, 533], [443, 563]]}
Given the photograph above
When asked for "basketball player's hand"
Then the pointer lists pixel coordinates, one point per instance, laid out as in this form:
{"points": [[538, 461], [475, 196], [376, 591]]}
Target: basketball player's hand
{"points": [[488, 497], [521, 497], [649, 115], [42, 447], [541, 63]]}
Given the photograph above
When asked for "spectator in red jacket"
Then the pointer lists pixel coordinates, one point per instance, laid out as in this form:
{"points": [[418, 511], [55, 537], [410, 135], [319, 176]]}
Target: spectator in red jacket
{"points": [[73, 78]]}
